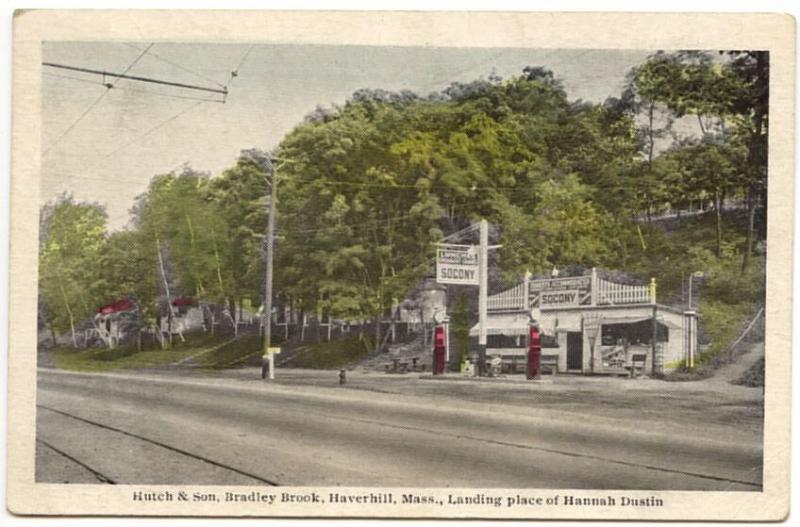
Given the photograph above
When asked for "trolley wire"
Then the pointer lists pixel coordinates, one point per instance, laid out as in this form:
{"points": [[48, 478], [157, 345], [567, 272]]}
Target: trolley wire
{"points": [[135, 90], [235, 71], [179, 66], [154, 128], [95, 102]]}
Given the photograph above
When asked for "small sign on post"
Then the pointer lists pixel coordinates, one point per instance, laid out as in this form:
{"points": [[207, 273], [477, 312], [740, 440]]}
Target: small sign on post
{"points": [[270, 358]]}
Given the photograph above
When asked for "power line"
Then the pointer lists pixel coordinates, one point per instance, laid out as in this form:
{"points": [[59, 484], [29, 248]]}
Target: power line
{"points": [[95, 102], [169, 95], [179, 66], [87, 81], [235, 71], [134, 90], [360, 226], [153, 129], [138, 78]]}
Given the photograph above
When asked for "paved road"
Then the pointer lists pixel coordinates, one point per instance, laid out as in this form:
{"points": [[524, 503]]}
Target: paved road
{"points": [[160, 429]]}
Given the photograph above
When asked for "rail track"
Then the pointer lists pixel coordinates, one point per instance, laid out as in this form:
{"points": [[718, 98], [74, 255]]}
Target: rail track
{"points": [[103, 478]]}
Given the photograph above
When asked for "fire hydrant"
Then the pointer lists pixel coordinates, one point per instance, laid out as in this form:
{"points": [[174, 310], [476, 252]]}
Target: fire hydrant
{"points": [[342, 376]]}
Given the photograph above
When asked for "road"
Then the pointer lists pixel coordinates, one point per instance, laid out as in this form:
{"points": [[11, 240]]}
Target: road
{"points": [[146, 428]]}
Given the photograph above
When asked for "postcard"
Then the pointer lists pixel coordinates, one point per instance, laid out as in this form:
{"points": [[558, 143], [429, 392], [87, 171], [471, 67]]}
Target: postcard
{"points": [[401, 265]]}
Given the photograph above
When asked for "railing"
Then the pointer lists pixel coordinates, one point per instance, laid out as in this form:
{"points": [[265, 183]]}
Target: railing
{"points": [[611, 293], [514, 299], [603, 292]]}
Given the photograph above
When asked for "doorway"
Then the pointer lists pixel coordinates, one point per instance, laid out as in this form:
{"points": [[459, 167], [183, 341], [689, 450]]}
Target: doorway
{"points": [[574, 350]]}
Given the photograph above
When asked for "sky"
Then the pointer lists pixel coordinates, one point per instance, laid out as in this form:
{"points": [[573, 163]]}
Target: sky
{"points": [[105, 145]]}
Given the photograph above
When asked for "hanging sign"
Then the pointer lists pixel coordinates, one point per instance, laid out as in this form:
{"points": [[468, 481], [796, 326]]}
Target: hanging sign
{"points": [[457, 264]]}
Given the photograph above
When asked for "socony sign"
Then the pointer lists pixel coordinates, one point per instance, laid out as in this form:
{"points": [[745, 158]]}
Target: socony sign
{"points": [[457, 264], [569, 297]]}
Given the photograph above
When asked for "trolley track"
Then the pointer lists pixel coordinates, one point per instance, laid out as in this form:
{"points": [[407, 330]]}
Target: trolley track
{"points": [[106, 479], [296, 438], [99, 475], [351, 420]]}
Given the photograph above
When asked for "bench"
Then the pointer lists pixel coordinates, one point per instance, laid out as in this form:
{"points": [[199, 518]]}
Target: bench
{"points": [[397, 366], [519, 363], [549, 361]]}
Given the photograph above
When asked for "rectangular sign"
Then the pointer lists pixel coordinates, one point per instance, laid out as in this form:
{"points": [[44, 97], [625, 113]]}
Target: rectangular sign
{"points": [[559, 284], [457, 264], [570, 297]]}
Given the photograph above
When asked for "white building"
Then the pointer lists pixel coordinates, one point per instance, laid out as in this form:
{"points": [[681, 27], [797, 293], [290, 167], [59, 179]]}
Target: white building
{"points": [[591, 325]]}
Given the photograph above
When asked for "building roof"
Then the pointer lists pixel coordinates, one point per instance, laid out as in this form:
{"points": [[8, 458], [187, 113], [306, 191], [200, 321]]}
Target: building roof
{"points": [[123, 304]]}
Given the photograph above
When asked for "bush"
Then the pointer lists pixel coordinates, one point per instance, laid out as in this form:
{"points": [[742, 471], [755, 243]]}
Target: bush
{"points": [[754, 376]]}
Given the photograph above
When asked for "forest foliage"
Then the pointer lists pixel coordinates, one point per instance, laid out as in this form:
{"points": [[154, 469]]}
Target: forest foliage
{"points": [[365, 190]]}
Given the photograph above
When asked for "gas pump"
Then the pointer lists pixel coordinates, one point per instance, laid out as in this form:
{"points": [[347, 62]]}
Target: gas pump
{"points": [[534, 371], [439, 349]]}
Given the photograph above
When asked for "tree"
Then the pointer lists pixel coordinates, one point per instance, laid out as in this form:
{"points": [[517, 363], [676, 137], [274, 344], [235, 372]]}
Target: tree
{"points": [[751, 106], [459, 322], [72, 239]]}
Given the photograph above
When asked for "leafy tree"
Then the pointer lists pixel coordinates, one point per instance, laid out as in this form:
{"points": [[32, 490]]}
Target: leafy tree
{"points": [[72, 239]]}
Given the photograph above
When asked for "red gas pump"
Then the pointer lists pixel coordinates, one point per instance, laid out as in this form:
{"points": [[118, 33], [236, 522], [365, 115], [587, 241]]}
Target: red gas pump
{"points": [[439, 349], [534, 352]]}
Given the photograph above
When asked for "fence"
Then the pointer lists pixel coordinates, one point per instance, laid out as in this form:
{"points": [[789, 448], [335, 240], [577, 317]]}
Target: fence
{"points": [[513, 299], [753, 332], [611, 293]]}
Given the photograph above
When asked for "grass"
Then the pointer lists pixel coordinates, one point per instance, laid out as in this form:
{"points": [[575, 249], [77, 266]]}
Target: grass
{"points": [[722, 323], [204, 351], [335, 354], [129, 357], [230, 353]]}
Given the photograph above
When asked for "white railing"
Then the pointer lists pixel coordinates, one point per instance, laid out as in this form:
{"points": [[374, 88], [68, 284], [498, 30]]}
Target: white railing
{"points": [[513, 299], [611, 293]]}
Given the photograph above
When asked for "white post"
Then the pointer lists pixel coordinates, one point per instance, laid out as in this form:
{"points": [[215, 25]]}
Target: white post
{"points": [[594, 286], [526, 291], [483, 295], [271, 365]]}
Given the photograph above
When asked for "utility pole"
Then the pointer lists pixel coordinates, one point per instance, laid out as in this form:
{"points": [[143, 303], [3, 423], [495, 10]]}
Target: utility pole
{"points": [[269, 358], [483, 295]]}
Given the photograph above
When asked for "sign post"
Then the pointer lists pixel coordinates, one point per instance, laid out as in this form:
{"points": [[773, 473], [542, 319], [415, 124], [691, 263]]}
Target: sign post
{"points": [[469, 265], [270, 358], [483, 296]]}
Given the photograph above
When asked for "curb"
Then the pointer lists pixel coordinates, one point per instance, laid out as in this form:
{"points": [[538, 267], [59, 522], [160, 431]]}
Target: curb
{"points": [[505, 380]]}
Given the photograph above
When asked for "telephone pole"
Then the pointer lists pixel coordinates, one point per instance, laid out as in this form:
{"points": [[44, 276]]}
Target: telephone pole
{"points": [[268, 360], [483, 295]]}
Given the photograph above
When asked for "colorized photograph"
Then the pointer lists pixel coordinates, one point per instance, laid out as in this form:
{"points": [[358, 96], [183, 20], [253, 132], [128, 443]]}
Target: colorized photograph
{"points": [[401, 266]]}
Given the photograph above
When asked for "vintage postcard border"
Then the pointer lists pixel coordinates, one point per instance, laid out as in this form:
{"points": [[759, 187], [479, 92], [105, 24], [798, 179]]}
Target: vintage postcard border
{"points": [[552, 30]]}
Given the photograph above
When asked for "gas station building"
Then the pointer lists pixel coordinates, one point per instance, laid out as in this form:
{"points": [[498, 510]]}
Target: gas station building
{"points": [[590, 325]]}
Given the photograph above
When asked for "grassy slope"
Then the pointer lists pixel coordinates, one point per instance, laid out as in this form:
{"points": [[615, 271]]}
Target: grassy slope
{"points": [[727, 298], [129, 357], [203, 351], [338, 353]]}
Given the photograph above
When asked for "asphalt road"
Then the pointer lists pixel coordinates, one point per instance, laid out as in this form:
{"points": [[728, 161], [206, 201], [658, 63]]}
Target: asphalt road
{"points": [[162, 429]]}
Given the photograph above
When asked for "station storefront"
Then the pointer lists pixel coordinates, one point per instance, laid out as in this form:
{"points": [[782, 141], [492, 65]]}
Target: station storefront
{"points": [[590, 325]]}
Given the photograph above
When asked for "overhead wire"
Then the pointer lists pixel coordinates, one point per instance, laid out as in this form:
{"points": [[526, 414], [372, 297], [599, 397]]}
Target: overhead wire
{"points": [[235, 71], [135, 90], [95, 102], [154, 128], [179, 66]]}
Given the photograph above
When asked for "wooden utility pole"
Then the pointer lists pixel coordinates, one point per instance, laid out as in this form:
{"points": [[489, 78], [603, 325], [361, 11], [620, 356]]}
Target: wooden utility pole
{"points": [[268, 358], [483, 295]]}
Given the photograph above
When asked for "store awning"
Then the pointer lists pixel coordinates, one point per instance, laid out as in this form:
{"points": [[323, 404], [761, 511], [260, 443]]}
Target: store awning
{"points": [[510, 324], [633, 319]]}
